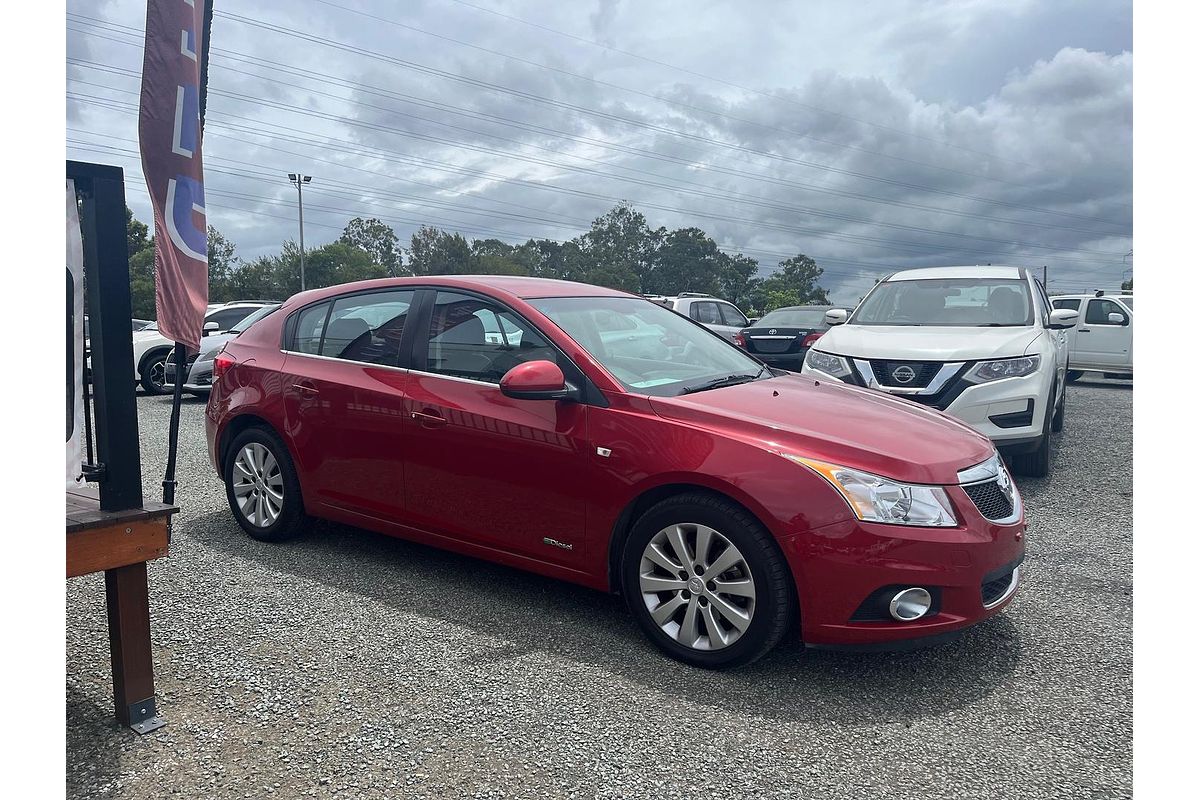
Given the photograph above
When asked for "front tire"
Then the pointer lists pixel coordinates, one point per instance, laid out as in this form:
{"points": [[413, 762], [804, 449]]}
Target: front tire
{"points": [[1060, 414], [1037, 463], [262, 487], [706, 582], [1074, 375], [153, 371]]}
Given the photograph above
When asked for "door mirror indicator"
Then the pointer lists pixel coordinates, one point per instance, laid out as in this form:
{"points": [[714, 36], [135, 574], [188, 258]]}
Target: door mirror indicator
{"points": [[537, 380], [835, 316], [1063, 318]]}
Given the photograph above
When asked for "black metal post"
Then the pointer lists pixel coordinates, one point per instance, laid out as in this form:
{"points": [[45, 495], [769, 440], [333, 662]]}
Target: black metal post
{"points": [[169, 483], [106, 268]]}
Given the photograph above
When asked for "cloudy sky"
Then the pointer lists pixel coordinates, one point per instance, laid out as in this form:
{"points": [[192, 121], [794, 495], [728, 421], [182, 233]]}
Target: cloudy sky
{"points": [[868, 135]]}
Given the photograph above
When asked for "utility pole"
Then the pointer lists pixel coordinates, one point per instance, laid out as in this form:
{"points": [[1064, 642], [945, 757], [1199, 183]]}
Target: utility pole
{"points": [[299, 181]]}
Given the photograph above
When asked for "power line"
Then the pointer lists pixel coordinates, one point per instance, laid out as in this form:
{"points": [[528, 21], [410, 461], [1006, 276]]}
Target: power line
{"points": [[277, 66]]}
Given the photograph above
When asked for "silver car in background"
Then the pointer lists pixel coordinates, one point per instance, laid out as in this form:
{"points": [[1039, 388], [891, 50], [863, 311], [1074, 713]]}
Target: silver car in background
{"points": [[198, 380]]}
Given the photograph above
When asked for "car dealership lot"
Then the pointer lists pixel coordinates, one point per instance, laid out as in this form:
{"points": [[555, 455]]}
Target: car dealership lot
{"points": [[351, 663]]}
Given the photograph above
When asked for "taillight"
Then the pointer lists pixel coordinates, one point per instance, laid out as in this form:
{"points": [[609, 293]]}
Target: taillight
{"points": [[810, 340], [221, 365], [739, 338]]}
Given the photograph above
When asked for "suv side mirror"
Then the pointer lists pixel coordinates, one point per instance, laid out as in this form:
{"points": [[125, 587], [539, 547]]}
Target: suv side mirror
{"points": [[211, 327], [537, 380], [1063, 318], [835, 316], [1116, 318]]}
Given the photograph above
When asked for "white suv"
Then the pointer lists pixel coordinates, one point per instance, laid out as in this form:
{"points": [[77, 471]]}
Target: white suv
{"points": [[150, 348], [717, 315], [979, 343], [1103, 339]]}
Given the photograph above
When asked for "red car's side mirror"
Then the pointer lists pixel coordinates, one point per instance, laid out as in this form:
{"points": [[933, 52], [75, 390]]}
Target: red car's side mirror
{"points": [[537, 380]]}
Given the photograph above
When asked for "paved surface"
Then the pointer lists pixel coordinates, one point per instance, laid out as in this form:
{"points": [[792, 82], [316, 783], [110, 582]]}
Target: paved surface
{"points": [[355, 665]]}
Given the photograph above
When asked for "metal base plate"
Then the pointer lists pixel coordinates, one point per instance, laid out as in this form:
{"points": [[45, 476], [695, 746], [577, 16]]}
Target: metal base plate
{"points": [[143, 717], [147, 725]]}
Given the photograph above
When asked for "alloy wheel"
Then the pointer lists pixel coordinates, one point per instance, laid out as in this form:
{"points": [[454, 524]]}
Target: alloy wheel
{"points": [[158, 373], [258, 485], [697, 586]]}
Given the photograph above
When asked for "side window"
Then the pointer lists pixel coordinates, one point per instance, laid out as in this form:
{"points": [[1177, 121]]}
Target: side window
{"points": [[368, 327], [1098, 311], [310, 325], [706, 313], [1071, 303], [1045, 302], [470, 337], [732, 316], [228, 317]]}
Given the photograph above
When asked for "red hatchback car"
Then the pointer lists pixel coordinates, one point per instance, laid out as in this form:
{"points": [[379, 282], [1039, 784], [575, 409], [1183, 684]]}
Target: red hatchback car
{"points": [[595, 436]]}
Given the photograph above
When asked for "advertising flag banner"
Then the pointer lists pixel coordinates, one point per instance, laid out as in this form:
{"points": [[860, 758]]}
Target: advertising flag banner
{"points": [[75, 342], [169, 135]]}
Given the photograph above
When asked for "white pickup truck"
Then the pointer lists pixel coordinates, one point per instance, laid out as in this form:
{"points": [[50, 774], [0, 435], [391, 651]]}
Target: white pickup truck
{"points": [[1102, 341]]}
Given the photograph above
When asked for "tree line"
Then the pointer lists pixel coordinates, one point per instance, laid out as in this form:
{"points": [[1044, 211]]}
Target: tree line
{"points": [[620, 250]]}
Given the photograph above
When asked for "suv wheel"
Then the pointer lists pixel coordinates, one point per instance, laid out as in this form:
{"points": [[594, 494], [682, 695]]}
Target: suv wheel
{"points": [[262, 488], [1056, 423], [1074, 375], [706, 582], [153, 370], [1037, 463]]}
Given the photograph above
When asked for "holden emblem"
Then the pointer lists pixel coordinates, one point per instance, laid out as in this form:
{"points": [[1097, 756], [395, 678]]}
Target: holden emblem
{"points": [[903, 374], [771, 332]]}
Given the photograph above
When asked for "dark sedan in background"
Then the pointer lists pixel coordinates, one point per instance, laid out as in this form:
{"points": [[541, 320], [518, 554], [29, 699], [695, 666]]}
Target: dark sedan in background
{"points": [[783, 336]]}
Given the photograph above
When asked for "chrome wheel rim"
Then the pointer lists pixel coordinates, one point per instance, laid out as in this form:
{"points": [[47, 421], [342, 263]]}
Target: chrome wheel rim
{"points": [[697, 586], [258, 485], [158, 373]]}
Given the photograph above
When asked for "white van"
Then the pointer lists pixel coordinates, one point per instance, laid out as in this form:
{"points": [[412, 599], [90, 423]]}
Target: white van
{"points": [[1103, 339]]}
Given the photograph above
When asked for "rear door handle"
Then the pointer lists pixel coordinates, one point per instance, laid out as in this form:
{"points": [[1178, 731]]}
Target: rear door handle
{"points": [[305, 389], [1085, 330], [429, 420]]}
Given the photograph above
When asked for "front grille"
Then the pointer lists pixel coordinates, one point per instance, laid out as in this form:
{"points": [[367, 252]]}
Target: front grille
{"points": [[923, 372], [990, 500], [993, 590]]}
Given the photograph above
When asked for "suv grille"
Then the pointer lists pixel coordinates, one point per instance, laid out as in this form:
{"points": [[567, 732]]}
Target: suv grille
{"points": [[922, 373], [990, 501], [993, 590]]}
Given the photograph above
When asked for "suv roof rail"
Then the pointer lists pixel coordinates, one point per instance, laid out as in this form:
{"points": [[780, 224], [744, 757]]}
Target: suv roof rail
{"points": [[693, 294]]}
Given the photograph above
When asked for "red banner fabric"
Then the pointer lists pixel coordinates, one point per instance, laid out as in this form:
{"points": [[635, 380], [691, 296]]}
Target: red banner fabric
{"points": [[169, 135]]}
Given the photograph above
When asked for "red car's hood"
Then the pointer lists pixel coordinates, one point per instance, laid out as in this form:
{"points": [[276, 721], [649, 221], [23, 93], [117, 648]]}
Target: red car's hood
{"points": [[845, 425]]}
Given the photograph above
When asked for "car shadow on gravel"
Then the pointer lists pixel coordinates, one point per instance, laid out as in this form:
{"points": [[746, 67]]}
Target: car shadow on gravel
{"points": [[534, 614]]}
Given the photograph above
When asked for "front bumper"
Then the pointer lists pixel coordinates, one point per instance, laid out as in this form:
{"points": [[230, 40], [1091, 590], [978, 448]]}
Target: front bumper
{"points": [[841, 571], [199, 376]]}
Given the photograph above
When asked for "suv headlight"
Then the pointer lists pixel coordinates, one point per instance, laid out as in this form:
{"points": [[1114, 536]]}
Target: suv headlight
{"points": [[876, 499], [1005, 368], [831, 365]]}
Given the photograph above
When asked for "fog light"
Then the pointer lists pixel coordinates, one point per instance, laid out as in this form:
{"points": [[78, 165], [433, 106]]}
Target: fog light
{"points": [[910, 604]]}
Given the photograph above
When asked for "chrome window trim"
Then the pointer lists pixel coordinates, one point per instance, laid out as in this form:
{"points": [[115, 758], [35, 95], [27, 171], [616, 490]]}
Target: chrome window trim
{"points": [[345, 360], [454, 378], [1012, 587]]}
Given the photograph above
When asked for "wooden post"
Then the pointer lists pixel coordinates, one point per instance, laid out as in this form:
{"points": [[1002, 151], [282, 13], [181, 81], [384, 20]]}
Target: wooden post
{"points": [[129, 639]]}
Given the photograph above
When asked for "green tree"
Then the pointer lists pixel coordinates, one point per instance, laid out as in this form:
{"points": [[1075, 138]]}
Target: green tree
{"points": [[436, 252], [619, 250], [1127, 286], [794, 284], [137, 233], [141, 283], [376, 239], [738, 279], [221, 265], [686, 260]]}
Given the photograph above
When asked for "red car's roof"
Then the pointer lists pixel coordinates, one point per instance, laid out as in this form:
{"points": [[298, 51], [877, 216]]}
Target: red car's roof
{"points": [[513, 285]]}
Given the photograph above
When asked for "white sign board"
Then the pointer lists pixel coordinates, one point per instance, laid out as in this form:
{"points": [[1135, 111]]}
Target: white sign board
{"points": [[75, 342]]}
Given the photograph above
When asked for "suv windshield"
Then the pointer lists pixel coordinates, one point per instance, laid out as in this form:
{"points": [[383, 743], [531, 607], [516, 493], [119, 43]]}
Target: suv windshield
{"points": [[647, 348], [794, 318], [953, 302], [253, 318]]}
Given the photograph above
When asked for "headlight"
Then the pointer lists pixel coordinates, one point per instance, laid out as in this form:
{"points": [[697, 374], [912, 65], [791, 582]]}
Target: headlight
{"points": [[1006, 368], [835, 366], [207, 356], [876, 499]]}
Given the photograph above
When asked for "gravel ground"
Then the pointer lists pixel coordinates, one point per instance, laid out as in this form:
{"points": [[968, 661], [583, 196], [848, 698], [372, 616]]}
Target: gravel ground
{"points": [[356, 665]]}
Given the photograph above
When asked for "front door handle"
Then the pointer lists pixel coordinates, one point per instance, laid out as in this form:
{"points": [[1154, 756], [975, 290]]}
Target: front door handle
{"points": [[1085, 330], [305, 389], [429, 420]]}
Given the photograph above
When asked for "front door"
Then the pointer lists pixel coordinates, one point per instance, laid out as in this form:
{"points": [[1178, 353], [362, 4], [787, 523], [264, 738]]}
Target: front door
{"points": [[344, 396], [485, 468], [1099, 340]]}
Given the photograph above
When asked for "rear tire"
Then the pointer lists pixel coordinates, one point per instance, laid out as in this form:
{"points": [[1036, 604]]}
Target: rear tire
{"points": [[1056, 424], [731, 617], [262, 488]]}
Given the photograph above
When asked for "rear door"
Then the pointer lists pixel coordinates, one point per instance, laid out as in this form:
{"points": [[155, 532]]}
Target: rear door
{"points": [[1100, 341], [482, 467], [344, 400], [708, 314]]}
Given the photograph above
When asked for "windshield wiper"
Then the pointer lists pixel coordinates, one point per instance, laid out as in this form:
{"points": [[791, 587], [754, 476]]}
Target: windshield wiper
{"points": [[724, 380]]}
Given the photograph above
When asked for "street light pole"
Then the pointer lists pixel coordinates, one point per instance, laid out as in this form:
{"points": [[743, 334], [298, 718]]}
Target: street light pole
{"points": [[299, 181]]}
